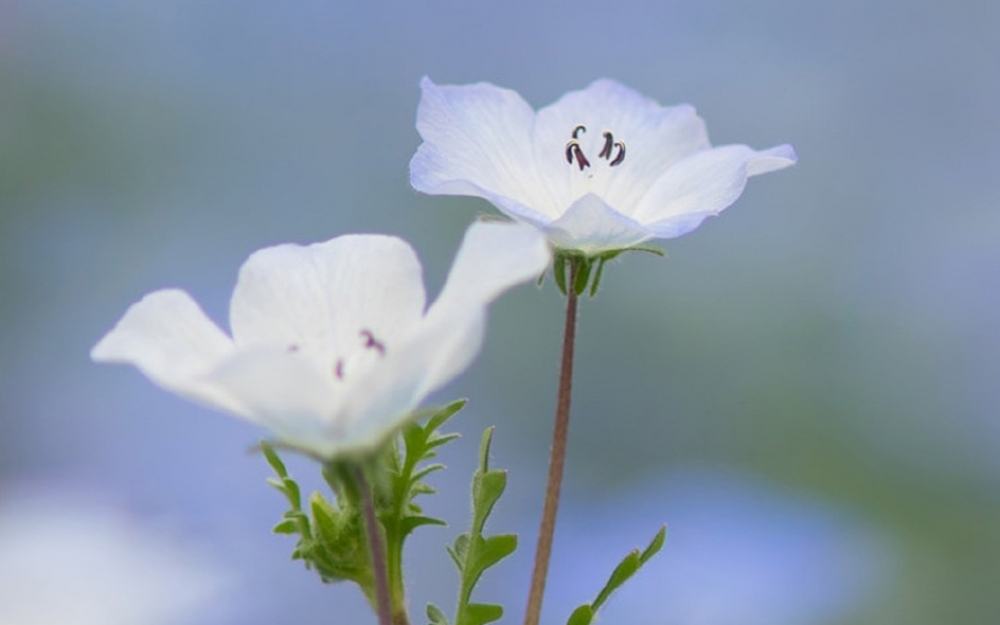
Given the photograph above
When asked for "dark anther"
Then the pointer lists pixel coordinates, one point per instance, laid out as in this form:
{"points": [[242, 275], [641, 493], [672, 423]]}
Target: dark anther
{"points": [[578, 130], [338, 370], [293, 347], [620, 156], [573, 151], [609, 142], [372, 343]]}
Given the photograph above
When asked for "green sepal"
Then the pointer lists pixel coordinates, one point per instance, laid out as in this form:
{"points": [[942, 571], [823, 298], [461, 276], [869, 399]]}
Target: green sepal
{"points": [[589, 267], [628, 567], [331, 538], [597, 276], [559, 272], [582, 275]]}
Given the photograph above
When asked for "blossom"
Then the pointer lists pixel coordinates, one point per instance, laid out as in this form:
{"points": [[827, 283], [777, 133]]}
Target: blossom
{"points": [[601, 169], [332, 348]]}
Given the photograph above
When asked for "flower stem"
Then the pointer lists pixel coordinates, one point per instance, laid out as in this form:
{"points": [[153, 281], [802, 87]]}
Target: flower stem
{"points": [[557, 457], [382, 600]]}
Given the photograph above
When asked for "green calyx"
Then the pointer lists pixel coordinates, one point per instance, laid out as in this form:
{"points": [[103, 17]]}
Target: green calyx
{"points": [[331, 533], [585, 270]]}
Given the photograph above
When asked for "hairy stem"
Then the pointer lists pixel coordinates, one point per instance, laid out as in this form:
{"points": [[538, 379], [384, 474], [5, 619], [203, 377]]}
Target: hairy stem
{"points": [[382, 599], [557, 457], [396, 589]]}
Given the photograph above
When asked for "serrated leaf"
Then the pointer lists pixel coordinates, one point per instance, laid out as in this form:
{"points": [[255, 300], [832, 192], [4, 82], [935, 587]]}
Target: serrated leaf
{"points": [[584, 615], [482, 613], [494, 549], [435, 615], [473, 553]]}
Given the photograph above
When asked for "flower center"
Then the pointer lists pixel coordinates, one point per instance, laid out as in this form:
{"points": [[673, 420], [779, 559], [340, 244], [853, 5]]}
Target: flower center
{"points": [[359, 358], [612, 151], [370, 344]]}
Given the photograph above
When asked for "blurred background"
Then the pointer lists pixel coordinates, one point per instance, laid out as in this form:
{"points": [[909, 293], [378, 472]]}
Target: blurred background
{"points": [[804, 391]]}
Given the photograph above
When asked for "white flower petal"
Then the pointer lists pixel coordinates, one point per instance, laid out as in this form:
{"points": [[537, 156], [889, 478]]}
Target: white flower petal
{"points": [[388, 396], [169, 338], [655, 137], [283, 392], [591, 226], [477, 141], [705, 184], [493, 257], [319, 298]]}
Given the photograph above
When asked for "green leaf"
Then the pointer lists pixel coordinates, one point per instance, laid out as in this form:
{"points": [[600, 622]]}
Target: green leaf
{"points": [[435, 615], [272, 459], [487, 490], [654, 545], [625, 569], [287, 526], [473, 553], [496, 548], [325, 518], [481, 613], [411, 523], [628, 567], [443, 414], [583, 615]]}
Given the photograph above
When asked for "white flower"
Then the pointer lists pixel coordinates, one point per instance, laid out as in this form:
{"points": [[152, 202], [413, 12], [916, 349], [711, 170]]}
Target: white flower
{"points": [[332, 348], [601, 169]]}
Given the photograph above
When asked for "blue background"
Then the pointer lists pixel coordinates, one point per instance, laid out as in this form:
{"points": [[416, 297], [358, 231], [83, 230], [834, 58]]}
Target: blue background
{"points": [[805, 391]]}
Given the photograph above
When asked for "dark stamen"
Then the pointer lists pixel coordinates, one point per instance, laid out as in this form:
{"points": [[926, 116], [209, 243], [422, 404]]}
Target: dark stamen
{"points": [[338, 370], [573, 150], [621, 154], [609, 141], [578, 130], [372, 343]]}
